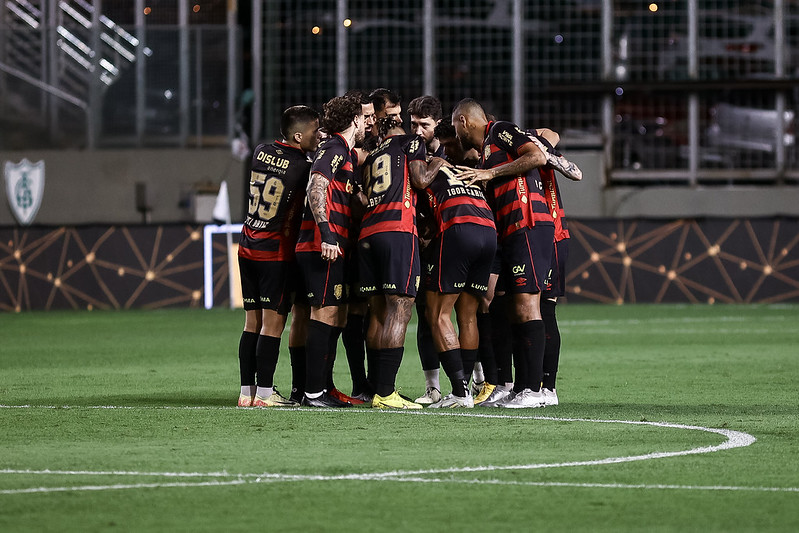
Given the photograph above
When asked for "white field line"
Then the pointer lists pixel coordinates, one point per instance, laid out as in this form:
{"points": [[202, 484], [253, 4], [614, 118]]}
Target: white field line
{"points": [[734, 439]]}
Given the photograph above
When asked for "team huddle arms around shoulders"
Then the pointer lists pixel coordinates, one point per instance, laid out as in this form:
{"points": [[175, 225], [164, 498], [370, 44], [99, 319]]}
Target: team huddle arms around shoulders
{"points": [[354, 220]]}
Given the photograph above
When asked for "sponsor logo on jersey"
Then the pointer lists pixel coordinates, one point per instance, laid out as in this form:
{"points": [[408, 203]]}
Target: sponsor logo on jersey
{"points": [[507, 137], [24, 189], [336, 162]]}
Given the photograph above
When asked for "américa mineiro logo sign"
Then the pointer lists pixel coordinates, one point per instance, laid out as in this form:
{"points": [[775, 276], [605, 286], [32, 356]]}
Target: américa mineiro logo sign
{"points": [[24, 189]]}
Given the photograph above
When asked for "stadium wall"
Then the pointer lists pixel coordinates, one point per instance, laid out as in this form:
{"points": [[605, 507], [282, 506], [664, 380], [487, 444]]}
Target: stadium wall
{"points": [[714, 260]]}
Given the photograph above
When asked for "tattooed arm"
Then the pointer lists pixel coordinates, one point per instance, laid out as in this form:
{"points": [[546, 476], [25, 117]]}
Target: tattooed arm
{"points": [[317, 200]]}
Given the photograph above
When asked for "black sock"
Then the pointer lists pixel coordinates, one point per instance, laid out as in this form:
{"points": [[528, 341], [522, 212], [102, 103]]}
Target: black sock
{"points": [[353, 338], [520, 358], [316, 348], [266, 353], [424, 338], [486, 348], [469, 358], [297, 369], [330, 358], [247, 344], [552, 350], [390, 360], [373, 367], [531, 341], [453, 367], [502, 335]]}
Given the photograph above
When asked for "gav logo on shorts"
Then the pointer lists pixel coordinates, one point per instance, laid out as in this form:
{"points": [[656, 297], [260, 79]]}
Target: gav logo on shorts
{"points": [[518, 270], [24, 189]]}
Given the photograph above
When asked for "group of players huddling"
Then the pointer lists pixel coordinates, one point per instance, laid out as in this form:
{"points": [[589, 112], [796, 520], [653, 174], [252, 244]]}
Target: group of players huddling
{"points": [[343, 235]]}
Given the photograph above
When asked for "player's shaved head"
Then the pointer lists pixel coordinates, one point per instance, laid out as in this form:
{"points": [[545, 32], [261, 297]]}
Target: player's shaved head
{"points": [[469, 119], [471, 108]]}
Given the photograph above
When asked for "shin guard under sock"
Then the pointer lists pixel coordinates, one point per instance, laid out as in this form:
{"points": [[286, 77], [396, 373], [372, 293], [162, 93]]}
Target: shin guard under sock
{"points": [[266, 353], [297, 354], [486, 348], [316, 349], [247, 366], [453, 367], [390, 360], [552, 349], [353, 338], [502, 335]]}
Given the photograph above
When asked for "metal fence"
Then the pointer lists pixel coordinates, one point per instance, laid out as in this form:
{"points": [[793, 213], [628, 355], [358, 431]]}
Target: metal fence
{"points": [[675, 91], [672, 91], [71, 76]]}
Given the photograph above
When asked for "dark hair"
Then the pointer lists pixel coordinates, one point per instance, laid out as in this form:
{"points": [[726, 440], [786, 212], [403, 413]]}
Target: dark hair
{"points": [[445, 130], [339, 113], [370, 143], [382, 97], [386, 124], [360, 95], [295, 118], [425, 106]]}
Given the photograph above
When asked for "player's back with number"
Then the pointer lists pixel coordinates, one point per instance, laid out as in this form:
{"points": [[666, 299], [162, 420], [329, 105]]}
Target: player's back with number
{"points": [[278, 179], [391, 200], [454, 202]]}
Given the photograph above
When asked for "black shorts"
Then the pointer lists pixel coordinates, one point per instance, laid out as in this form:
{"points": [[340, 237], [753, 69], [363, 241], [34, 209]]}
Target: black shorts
{"points": [[267, 284], [526, 259], [353, 278], [556, 284], [388, 263], [325, 282], [462, 261]]}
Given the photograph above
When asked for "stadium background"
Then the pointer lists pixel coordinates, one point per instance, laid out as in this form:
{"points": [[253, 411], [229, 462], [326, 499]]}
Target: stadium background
{"points": [[680, 113]]}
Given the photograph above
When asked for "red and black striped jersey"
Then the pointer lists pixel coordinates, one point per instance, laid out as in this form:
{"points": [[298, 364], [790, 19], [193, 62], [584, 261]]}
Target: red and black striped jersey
{"points": [[552, 194], [334, 161], [518, 201], [391, 201], [454, 202], [278, 177]]}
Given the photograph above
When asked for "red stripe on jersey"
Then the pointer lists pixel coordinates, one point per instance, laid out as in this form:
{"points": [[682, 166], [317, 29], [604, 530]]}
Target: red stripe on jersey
{"points": [[480, 221]]}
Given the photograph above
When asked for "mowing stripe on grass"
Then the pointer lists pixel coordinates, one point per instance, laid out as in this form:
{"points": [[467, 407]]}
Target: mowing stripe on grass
{"points": [[734, 439]]}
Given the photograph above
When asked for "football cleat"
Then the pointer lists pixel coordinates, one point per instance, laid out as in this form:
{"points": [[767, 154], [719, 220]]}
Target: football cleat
{"points": [[550, 396], [484, 393], [527, 398], [274, 400], [452, 401], [325, 400], [364, 397], [393, 401], [497, 398], [296, 395], [476, 387], [431, 395], [337, 394], [245, 400]]}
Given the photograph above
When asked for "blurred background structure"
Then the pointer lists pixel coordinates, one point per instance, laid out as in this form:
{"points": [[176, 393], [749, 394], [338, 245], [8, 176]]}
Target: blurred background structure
{"points": [[673, 108]]}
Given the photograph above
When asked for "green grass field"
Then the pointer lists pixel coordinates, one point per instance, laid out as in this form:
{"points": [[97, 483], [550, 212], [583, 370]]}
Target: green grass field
{"points": [[124, 421]]}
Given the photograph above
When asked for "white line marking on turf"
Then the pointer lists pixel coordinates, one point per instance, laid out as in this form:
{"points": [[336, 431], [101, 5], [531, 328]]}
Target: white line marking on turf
{"points": [[734, 439]]}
